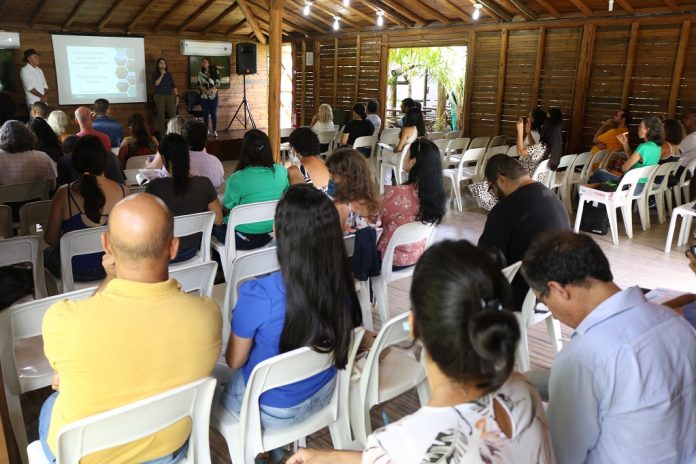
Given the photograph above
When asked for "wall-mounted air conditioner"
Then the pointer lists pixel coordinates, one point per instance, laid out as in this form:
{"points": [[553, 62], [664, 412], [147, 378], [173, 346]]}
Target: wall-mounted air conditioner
{"points": [[9, 39], [205, 48]]}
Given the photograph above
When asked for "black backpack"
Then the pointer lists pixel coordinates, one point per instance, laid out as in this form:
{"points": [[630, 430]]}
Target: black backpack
{"points": [[595, 219]]}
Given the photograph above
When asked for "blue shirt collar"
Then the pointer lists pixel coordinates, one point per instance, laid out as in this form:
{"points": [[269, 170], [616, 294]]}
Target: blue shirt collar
{"points": [[615, 304]]}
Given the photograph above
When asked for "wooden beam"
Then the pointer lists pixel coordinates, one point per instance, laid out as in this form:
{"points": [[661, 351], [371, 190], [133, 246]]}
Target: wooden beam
{"points": [[547, 6], [109, 14], [630, 61], [275, 48], [456, 10], [73, 14], [500, 92], [671, 5], [316, 50], [140, 15], [353, 12], [246, 11], [383, 70], [37, 12], [524, 10], [317, 17], [303, 88], [429, 10], [236, 27], [625, 6], [582, 80], [163, 19], [580, 5], [678, 68], [335, 73], [209, 27], [302, 24], [492, 10], [404, 13], [357, 68], [194, 16], [344, 17], [538, 65], [390, 13], [469, 84]]}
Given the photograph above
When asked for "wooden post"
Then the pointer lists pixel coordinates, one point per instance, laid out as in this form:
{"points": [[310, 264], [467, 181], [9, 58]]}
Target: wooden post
{"points": [[357, 69], [274, 74], [678, 67], [383, 78], [303, 89], [582, 79], [468, 84], [538, 65], [317, 76], [630, 61], [335, 74], [501, 80]]}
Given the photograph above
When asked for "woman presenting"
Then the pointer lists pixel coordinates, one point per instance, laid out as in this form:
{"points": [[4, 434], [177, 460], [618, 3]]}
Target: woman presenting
{"points": [[208, 84], [165, 95]]}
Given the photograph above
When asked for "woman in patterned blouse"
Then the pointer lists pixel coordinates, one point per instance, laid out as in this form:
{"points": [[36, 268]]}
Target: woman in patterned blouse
{"points": [[208, 84]]}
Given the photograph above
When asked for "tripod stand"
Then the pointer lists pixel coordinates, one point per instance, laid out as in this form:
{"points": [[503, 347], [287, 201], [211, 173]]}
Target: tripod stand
{"points": [[247, 111]]}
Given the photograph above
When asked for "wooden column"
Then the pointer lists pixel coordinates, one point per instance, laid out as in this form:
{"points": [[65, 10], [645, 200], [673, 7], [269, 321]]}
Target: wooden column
{"points": [[538, 65], [335, 74], [383, 78], [317, 76], [275, 44], [303, 89], [468, 84], [630, 61], [582, 79], [500, 93], [678, 68], [357, 69]]}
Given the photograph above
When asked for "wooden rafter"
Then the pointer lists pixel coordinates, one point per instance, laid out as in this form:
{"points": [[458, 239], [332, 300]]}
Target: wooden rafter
{"points": [[299, 22], [194, 16], [73, 14], [219, 18], [389, 13], [625, 6], [671, 4], [524, 10], [547, 6], [313, 14], [258, 8], [359, 14], [163, 19], [37, 12], [580, 5], [678, 68], [344, 18], [492, 10], [430, 11], [246, 11], [140, 15], [456, 10], [630, 62], [109, 14], [399, 12], [236, 27]]}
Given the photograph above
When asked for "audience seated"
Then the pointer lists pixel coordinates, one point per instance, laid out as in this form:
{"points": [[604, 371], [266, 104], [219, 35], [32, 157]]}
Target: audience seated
{"points": [[535, 121], [359, 126], [629, 369], [58, 121], [422, 198], [652, 132], [525, 209], [308, 167], [323, 120], [282, 311], [140, 142], [548, 147], [674, 134], [46, 140], [406, 104], [202, 163], [413, 127], [479, 410], [83, 116], [139, 335], [103, 122], [183, 193], [174, 126], [67, 172], [19, 161], [373, 115], [256, 178], [606, 137], [356, 193], [80, 204]]}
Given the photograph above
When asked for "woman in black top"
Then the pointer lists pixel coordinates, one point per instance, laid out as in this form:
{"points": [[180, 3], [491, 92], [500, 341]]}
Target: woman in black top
{"points": [[165, 94], [358, 127]]}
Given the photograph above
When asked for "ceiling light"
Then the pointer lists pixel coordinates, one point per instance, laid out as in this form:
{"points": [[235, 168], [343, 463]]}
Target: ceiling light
{"points": [[477, 11], [380, 18], [346, 2], [307, 3], [335, 24], [611, 5]]}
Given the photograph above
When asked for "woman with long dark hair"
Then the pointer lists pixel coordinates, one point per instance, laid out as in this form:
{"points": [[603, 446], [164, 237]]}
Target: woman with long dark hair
{"points": [[422, 198], [414, 127], [84, 203], [479, 410], [310, 302], [139, 143], [183, 193], [208, 84], [548, 147]]}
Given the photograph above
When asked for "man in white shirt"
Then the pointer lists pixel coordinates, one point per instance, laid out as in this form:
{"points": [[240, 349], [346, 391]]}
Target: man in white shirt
{"points": [[33, 80], [623, 390]]}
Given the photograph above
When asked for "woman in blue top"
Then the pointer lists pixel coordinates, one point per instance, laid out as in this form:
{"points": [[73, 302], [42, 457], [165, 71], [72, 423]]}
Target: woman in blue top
{"points": [[310, 302]]}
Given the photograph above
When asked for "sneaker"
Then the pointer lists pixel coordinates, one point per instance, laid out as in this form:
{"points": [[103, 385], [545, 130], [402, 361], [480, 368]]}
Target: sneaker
{"points": [[215, 134], [210, 132]]}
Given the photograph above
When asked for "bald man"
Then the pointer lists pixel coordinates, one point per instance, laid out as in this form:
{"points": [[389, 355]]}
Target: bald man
{"points": [[84, 118], [139, 335]]}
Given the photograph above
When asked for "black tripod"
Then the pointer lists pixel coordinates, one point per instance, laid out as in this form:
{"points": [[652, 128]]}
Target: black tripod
{"points": [[247, 111]]}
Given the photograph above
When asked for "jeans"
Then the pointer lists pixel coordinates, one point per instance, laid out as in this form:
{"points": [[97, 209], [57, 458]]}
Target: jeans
{"points": [[209, 108], [45, 422], [272, 417], [242, 241], [601, 176], [185, 254], [52, 263]]}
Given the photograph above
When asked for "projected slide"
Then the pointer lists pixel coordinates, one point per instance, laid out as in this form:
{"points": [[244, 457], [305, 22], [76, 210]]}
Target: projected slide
{"points": [[91, 67]]}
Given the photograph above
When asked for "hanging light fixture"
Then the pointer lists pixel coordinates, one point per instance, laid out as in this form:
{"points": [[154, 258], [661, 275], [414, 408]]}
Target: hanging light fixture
{"points": [[346, 2], [335, 23], [611, 5], [307, 4], [380, 18], [477, 11]]}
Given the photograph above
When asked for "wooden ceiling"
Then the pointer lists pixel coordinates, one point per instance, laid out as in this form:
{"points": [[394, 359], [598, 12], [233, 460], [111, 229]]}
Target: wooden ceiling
{"points": [[217, 19]]}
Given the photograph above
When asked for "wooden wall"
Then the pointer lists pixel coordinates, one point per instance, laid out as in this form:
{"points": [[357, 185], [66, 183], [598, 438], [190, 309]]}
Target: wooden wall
{"points": [[588, 68], [155, 46]]}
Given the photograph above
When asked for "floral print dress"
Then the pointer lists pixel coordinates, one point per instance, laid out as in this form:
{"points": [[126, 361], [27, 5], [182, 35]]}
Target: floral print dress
{"points": [[400, 206]]}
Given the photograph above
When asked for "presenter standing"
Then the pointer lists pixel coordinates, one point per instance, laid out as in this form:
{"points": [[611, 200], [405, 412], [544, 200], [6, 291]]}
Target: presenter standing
{"points": [[208, 84], [33, 80], [165, 95]]}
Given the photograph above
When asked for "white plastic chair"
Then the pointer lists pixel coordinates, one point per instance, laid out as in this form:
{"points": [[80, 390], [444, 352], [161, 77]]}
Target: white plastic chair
{"points": [[29, 370], [454, 135], [443, 146], [498, 140], [529, 317], [490, 153], [76, 243], [244, 436], [657, 189], [382, 380], [464, 171], [26, 191], [598, 161], [138, 420], [326, 138], [557, 178], [131, 177], [137, 162], [512, 152], [5, 222], [479, 142], [337, 139], [27, 249], [687, 213], [196, 223], [389, 131], [621, 198], [574, 178], [411, 233], [456, 148], [436, 135], [641, 198], [243, 214], [32, 215], [368, 141], [392, 162], [681, 190], [198, 278]]}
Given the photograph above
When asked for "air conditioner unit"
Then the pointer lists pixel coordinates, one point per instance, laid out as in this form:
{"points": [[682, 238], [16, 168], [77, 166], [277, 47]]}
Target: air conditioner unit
{"points": [[205, 48], [9, 39]]}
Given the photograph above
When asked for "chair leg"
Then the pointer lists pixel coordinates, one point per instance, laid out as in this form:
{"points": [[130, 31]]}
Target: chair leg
{"points": [[670, 232], [340, 433], [627, 213], [685, 229], [458, 194], [365, 304], [668, 200], [677, 195], [381, 179], [613, 224], [553, 327], [643, 212], [522, 352], [578, 215], [379, 286], [685, 193], [660, 201]]}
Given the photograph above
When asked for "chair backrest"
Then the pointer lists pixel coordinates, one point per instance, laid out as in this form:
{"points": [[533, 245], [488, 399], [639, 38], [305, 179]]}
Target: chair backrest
{"points": [[454, 134], [491, 152], [436, 135], [630, 180], [511, 271], [412, 232], [326, 136], [580, 161], [34, 214], [390, 139], [689, 170], [610, 157], [479, 142], [76, 243], [141, 419], [190, 224], [472, 156], [367, 141], [27, 249], [246, 214], [443, 146], [131, 178], [137, 162], [286, 131], [24, 192], [649, 174], [458, 145], [389, 131], [512, 151], [5, 222], [498, 140], [199, 277], [660, 177]]}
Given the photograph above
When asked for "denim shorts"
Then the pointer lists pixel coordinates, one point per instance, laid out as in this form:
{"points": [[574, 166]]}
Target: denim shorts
{"points": [[272, 417]]}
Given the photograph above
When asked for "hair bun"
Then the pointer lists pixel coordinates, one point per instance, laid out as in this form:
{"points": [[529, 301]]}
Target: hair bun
{"points": [[494, 334]]}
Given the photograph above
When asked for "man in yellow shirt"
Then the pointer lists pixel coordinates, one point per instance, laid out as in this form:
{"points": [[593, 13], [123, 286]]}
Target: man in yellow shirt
{"points": [[139, 335], [606, 136]]}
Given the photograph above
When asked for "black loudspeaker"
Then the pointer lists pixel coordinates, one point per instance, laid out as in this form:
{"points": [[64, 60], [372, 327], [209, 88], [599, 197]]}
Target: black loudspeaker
{"points": [[246, 58]]}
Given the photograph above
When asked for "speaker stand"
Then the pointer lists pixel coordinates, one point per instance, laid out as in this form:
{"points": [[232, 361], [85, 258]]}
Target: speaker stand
{"points": [[247, 110]]}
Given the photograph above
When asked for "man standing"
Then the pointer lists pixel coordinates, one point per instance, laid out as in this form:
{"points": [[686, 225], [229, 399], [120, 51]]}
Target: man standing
{"points": [[139, 335], [33, 80], [606, 136], [623, 390], [525, 209], [104, 123]]}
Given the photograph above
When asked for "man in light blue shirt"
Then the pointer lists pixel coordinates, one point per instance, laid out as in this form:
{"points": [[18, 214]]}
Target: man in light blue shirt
{"points": [[623, 390], [103, 122]]}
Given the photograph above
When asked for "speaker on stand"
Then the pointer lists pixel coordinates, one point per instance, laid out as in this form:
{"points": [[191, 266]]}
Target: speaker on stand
{"points": [[246, 64]]}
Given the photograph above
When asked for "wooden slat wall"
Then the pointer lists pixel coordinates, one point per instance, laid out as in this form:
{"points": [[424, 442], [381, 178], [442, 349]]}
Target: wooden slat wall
{"points": [[346, 72], [484, 83], [519, 79], [368, 82], [687, 90]]}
